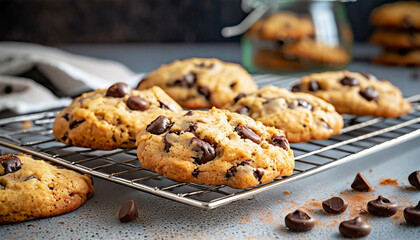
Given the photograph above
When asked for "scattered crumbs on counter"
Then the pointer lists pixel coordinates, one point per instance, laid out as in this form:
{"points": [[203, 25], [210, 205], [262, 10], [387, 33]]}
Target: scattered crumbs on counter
{"points": [[371, 170], [61, 223], [286, 192], [388, 181]]}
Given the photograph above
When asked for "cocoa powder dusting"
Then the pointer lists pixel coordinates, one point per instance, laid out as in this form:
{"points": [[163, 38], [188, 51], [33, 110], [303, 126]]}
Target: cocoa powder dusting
{"points": [[388, 181]]}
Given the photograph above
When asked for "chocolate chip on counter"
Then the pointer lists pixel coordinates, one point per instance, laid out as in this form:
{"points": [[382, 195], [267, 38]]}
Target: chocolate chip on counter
{"points": [[414, 179], [360, 183], [313, 86], [195, 172], [31, 177], [75, 124], [189, 113], [354, 228], [128, 211], [137, 103], [239, 96], [412, 215], [369, 76], [164, 106], [158, 126], [247, 133], [382, 206], [334, 205], [118, 90], [349, 81], [296, 87], [369, 93], [11, 163], [207, 150], [299, 220], [280, 141], [188, 80], [204, 91], [259, 173], [243, 110]]}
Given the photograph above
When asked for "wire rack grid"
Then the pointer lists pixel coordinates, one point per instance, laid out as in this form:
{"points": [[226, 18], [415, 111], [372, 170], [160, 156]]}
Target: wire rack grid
{"points": [[32, 134]]}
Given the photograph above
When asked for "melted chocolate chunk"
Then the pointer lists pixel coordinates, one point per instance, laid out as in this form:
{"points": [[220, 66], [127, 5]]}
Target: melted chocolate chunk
{"points": [[369, 93], [164, 106], [195, 172], [10, 163], [354, 228], [325, 124], [313, 85], [407, 22], [192, 126], [247, 133], [239, 96], [258, 174], [189, 113], [360, 183], [301, 103], [31, 177], [137, 103], [203, 65], [403, 51], [233, 85], [299, 221], [118, 90], [369, 76], [280, 141], [382, 206], [66, 116], [128, 211], [204, 91], [296, 87], [231, 171], [167, 144], [207, 151], [243, 110], [334, 205], [414, 179], [188, 80], [349, 81], [75, 124], [158, 126], [412, 215]]}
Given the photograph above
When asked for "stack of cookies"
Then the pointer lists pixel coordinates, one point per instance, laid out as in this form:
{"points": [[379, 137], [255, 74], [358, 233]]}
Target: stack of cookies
{"points": [[398, 33]]}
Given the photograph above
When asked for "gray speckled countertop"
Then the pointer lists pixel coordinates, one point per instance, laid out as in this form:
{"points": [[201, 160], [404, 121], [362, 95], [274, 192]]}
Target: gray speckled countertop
{"points": [[256, 218]]}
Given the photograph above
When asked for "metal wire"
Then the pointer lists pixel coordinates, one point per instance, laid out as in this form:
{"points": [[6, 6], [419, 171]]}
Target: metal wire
{"points": [[359, 137]]}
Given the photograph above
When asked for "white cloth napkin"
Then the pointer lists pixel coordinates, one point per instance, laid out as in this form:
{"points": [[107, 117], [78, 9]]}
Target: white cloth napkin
{"points": [[69, 73]]}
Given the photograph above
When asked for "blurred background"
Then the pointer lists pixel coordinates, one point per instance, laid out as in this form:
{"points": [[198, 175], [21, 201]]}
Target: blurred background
{"points": [[106, 21]]}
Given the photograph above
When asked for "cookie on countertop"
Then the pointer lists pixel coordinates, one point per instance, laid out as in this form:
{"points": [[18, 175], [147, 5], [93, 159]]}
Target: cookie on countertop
{"points": [[31, 189], [301, 116], [399, 57], [111, 118], [356, 93], [200, 82], [283, 25], [396, 38], [215, 147], [402, 14]]}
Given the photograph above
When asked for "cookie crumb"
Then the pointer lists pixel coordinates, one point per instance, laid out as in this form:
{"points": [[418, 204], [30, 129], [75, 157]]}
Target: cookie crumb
{"points": [[26, 124], [371, 170], [388, 181], [286, 192]]}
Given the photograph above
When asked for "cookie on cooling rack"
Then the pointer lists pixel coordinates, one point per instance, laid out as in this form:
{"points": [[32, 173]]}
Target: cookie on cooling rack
{"points": [[201, 82], [215, 147], [111, 118], [301, 116], [356, 93], [31, 189]]}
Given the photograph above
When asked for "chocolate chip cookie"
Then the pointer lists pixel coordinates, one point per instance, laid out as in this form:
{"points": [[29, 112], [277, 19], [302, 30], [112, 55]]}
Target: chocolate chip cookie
{"points": [[400, 57], [200, 82], [356, 93], [111, 118], [396, 38], [301, 116], [401, 14], [215, 147], [31, 189]]}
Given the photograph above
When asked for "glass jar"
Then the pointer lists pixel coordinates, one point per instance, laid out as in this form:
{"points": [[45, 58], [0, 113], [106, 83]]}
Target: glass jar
{"points": [[297, 35]]}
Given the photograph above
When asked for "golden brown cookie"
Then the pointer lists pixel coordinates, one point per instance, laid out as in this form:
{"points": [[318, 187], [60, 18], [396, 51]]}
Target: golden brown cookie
{"points": [[401, 57], [356, 93], [200, 82], [401, 14], [215, 147], [111, 118], [31, 189], [271, 59], [301, 116], [396, 38]]}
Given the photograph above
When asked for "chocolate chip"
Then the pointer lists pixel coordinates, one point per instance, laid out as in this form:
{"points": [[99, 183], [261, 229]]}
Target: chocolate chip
{"points": [[299, 220], [247, 133], [203, 65], [118, 90], [325, 124], [349, 81], [189, 113], [195, 172], [354, 228], [206, 149], [233, 85], [8, 89], [300, 103], [142, 81], [334, 205], [75, 124], [258, 174], [280, 141], [243, 110], [296, 87], [313, 85], [231, 171], [369, 76], [191, 127], [360, 183], [407, 22], [382, 206], [158, 126], [31, 177], [204, 91], [403, 51], [412, 215], [188, 80], [128, 211], [164, 106], [165, 140], [66, 116], [239, 96], [10, 163], [137, 103], [414, 179], [369, 93]]}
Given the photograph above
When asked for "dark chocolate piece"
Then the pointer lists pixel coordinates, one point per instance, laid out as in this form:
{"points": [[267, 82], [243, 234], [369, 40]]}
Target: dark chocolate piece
{"points": [[247, 133], [280, 141], [334, 205], [299, 220], [158, 126], [412, 215], [414, 179], [369, 93], [349, 81], [137, 103], [206, 149], [382, 206], [354, 228], [360, 183], [11, 163], [118, 90], [128, 211], [313, 86]]}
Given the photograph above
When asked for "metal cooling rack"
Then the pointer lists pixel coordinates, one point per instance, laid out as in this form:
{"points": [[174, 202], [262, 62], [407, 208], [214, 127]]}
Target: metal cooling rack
{"points": [[32, 134]]}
